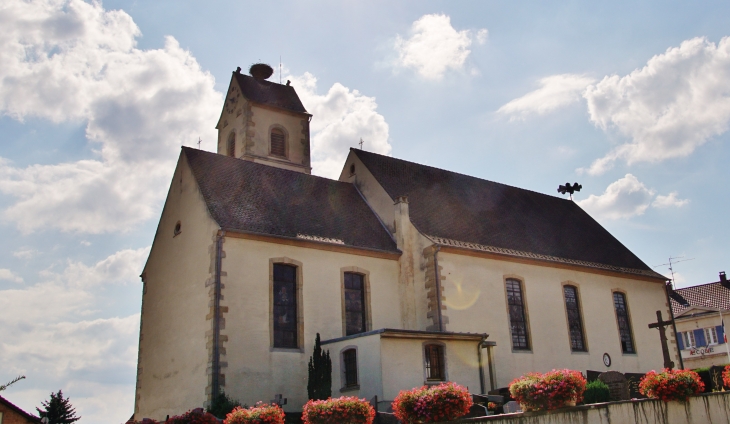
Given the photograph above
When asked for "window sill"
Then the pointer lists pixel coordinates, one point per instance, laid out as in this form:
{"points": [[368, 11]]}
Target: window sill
{"points": [[579, 352], [629, 354], [521, 350], [286, 349], [350, 389], [434, 382]]}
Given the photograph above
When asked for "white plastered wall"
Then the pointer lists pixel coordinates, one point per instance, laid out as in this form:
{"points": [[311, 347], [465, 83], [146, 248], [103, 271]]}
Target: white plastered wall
{"points": [[719, 355], [476, 302], [173, 355], [255, 371], [370, 379]]}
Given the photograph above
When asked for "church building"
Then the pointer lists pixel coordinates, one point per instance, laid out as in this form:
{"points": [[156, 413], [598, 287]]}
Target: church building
{"points": [[411, 274]]}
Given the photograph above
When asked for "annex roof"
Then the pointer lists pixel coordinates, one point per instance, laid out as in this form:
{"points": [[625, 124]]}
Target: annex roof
{"points": [[269, 93], [710, 295], [462, 211], [250, 197]]}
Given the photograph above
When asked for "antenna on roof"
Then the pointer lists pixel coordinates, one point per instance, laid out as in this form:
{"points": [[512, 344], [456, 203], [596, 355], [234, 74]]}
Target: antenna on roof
{"points": [[570, 189], [671, 264]]}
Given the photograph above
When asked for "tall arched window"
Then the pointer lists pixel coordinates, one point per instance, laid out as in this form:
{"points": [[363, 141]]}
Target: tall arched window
{"points": [[285, 306], [575, 321], [231, 145], [278, 142], [624, 324], [355, 319], [517, 316]]}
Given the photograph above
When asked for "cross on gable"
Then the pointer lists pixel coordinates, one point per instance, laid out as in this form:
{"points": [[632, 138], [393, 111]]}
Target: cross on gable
{"points": [[279, 400], [662, 325], [361, 143]]}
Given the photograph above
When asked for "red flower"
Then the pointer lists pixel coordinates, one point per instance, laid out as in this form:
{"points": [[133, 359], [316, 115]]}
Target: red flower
{"points": [[671, 384], [445, 402], [339, 410]]}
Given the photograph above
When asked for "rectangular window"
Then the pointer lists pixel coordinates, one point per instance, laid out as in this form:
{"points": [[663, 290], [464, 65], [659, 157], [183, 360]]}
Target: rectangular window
{"points": [[285, 306], [575, 322], [354, 303], [517, 318], [435, 369], [688, 337], [349, 357], [624, 325], [711, 336]]}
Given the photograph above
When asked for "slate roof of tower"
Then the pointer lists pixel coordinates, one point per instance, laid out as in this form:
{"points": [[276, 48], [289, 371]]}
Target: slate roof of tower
{"points": [[463, 211], [270, 93], [247, 196], [717, 295]]}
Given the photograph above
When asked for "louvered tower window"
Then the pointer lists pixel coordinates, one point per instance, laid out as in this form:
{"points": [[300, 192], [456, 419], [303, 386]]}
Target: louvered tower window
{"points": [[231, 145], [278, 142]]}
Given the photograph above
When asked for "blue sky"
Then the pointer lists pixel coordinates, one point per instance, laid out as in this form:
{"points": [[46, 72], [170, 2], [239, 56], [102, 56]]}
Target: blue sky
{"points": [[631, 99]]}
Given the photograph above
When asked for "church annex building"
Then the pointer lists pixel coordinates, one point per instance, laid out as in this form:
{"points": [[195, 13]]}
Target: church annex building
{"points": [[412, 275]]}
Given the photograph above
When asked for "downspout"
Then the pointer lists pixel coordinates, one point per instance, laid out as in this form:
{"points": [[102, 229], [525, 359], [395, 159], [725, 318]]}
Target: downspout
{"points": [[674, 325], [216, 368], [437, 276], [481, 364]]}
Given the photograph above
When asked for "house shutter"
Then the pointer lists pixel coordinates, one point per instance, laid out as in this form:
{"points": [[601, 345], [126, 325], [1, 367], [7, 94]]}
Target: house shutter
{"points": [[700, 338], [680, 342], [720, 334]]}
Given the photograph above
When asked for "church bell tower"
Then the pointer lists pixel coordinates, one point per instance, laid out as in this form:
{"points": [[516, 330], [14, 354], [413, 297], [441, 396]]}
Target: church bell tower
{"points": [[264, 122]]}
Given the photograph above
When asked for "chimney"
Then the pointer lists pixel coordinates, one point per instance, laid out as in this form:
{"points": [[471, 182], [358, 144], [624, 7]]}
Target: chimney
{"points": [[723, 280]]}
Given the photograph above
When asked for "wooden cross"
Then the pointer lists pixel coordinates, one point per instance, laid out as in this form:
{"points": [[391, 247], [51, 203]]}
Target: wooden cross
{"points": [[361, 143], [662, 325], [279, 400]]}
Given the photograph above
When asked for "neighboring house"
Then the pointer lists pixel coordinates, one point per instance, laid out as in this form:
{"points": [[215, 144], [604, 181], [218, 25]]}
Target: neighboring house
{"points": [[701, 337], [411, 274], [11, 414]]}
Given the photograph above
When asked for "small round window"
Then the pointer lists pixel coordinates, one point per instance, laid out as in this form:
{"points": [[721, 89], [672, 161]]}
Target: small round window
{"points": [[178, 228]]}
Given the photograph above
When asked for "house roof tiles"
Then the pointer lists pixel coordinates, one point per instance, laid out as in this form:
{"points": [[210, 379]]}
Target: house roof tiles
{"points": [[710, 295], [270, 93]]}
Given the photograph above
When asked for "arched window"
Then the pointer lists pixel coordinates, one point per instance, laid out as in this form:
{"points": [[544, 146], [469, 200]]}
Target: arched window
{"points": [[231, 145], [435, 362], [517, 316], [349, 368], [355, 319], [278, 142], [285, 306], [624, 324], [575, 321]]}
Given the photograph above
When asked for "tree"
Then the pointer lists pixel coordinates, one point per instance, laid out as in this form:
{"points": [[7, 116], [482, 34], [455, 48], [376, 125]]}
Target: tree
{"points": [[58, 410], [319, 386], [5, 386]]}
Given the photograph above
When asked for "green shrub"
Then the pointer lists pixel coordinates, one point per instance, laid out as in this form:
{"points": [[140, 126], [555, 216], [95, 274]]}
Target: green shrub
{"points": [[596, 392], [222, 405]]}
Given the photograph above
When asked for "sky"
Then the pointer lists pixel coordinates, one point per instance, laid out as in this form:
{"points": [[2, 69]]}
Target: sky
{"points": [[630, 99]]}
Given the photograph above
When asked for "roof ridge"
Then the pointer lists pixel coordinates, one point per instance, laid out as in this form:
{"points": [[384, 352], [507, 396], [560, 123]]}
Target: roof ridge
{"points": [[460, 174], [697, 285]]}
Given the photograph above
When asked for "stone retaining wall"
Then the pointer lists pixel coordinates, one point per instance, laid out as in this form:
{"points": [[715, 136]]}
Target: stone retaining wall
{"points": [[707, 408]]}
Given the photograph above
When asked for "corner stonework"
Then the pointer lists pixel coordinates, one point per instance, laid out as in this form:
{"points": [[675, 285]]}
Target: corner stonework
{"points": [[433, 287], [218, 322]]}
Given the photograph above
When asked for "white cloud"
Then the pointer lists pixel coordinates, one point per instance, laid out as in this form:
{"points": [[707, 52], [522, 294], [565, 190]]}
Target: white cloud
{"points": [[626, 198], [669, 201], [25, 253], [622, 199], [49, 333], [7, 275], [668, 108], [555, 91], [434, 46], [75, 61], [341, 118]]}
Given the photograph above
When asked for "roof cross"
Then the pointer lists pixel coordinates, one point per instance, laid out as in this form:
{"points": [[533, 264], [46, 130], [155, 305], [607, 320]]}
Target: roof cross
{"points": [[361, 143]]}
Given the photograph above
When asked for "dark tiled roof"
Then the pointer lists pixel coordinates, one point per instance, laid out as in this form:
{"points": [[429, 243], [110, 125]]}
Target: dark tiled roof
{"points": [[718, 296], [458, 207], [27, 416], [270, 93], [247, 196]]}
